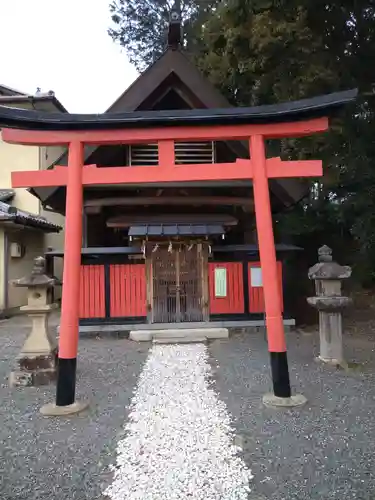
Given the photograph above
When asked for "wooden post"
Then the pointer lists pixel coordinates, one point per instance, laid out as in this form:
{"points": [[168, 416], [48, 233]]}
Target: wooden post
{"points": [[178, 291], [271, 287], [69, 326]]}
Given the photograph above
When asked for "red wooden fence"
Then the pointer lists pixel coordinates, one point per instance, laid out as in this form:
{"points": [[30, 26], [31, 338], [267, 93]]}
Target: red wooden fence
{"points": [[127, 290], [92, 292], [256, 294], [233, 303]]}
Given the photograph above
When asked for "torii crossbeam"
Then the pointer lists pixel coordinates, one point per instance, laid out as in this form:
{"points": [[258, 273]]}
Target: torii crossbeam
{"points": [[254, 125]]}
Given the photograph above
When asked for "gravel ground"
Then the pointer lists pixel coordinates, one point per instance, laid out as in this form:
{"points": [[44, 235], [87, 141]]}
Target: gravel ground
{"points": [[324, 450], [65, 459]]}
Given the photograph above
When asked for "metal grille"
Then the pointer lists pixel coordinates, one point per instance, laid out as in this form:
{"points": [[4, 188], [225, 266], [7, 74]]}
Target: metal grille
{"points": [[177, 285], [194, 152], [143, 154], [185, 153]]}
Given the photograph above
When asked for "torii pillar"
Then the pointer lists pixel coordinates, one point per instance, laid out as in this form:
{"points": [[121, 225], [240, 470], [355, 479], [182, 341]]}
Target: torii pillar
{"points": [[281, 395], [69, 324]]}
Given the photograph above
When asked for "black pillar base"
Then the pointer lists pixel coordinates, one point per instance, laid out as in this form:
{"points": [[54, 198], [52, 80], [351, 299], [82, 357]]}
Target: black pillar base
{"points": [[66, 381], [280, 374]]}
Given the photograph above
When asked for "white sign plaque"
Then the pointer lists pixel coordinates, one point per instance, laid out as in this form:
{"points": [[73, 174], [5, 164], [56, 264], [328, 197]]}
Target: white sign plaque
{"points": [[256, 277], [220, 282]]}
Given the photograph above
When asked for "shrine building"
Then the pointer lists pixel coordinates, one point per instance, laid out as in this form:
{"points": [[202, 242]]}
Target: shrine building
{"points": [[176, 252], [172, 253]]}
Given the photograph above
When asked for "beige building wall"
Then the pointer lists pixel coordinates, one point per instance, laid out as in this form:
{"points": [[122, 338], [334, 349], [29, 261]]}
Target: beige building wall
{"points": [[2, 272], [55, 241], [15, 158], [48, 156]]}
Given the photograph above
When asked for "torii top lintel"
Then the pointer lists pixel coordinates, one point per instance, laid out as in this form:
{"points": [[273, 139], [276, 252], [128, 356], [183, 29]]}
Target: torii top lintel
{"points": [[272, 120], [293, 119]]}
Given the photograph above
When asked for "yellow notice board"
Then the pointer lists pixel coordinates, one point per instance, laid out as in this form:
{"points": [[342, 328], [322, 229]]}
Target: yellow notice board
{"points": [[220, 282]]}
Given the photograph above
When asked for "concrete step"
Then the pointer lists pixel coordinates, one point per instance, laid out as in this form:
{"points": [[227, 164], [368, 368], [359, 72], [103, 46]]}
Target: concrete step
{"points": [[173, 333], [191, 333], [179, 340]]}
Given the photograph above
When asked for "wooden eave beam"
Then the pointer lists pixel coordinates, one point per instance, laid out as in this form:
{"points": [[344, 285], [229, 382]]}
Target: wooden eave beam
{"points": [[169, 200], [201, 218]]}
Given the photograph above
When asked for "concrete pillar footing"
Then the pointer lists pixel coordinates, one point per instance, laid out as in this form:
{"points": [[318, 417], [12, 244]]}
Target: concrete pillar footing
{"points": [[332, 362], [272, 401], [51, 410]]}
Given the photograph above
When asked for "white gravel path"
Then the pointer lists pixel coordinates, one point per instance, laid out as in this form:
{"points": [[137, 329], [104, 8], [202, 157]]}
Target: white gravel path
{"points": [[179, 441]]}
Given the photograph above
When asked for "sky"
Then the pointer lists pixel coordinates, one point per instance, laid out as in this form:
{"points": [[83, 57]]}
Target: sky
{"points": [[63, 45]]}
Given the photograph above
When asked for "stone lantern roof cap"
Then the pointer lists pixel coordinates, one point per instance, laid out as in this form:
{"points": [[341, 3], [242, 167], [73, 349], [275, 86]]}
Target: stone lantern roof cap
{"points": [[326, 268], [37, 277]]}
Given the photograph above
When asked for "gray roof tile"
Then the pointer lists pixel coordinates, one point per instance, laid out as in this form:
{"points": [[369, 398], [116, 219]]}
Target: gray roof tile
{"points": [[9, 213], [6, 194]]}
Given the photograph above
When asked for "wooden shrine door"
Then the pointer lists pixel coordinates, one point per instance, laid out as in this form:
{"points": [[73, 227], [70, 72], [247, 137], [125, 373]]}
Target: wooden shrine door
{"points": [[178, 284]]}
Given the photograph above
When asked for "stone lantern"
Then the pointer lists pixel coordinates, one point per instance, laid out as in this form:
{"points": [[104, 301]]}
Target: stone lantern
{"points": [[36, 363], [328, 276]]}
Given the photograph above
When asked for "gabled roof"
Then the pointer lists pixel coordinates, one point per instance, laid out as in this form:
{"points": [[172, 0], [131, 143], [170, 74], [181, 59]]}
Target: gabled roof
{"points": [[173, 69], [9, 91], [171, 62], [39, 102]]}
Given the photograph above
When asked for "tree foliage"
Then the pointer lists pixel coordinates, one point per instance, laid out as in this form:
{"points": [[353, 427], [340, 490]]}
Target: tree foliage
{"points": [[274, 51], [266, 51], [140, 26], [261, 57]]}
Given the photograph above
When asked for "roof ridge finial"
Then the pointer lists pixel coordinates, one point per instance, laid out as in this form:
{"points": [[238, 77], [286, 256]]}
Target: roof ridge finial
{"points": [[175, 26], [177, 6]]}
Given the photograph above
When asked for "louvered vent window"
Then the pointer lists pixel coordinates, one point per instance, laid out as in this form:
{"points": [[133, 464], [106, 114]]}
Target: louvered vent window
{"points": [[185, 152], [143, 154]]}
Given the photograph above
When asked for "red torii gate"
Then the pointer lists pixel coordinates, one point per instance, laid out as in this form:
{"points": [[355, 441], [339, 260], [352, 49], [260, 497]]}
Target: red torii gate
{"points": [[76, 131]]}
